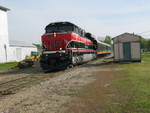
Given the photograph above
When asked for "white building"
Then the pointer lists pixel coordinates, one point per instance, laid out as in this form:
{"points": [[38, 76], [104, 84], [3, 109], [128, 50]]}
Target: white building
{"points": [[15, 51], [19, 50], [4, 42]]}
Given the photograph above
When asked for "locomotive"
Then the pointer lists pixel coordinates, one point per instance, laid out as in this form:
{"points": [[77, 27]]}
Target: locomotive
{"points": [[65, 44]]}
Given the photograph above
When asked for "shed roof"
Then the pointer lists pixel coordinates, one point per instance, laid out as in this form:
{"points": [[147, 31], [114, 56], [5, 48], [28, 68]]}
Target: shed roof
{"points": [[126, 34], [4, 8]]}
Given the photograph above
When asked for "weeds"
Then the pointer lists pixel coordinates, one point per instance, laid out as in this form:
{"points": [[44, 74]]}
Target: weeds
{"points": [[8, 65]]}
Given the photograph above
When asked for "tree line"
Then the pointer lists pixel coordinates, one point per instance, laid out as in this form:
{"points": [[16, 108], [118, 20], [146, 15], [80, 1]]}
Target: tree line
{"points": [[145, 44]]}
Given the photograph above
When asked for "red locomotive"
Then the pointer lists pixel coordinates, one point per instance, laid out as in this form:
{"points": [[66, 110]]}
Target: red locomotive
{"points": [[66, 44]]}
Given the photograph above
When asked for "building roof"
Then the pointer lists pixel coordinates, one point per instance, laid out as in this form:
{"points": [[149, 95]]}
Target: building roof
{"points": [[4, 8], [125, 34], [19, 43]]}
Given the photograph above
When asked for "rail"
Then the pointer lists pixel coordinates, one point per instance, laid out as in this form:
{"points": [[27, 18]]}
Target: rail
{"points": [[9, 87]]}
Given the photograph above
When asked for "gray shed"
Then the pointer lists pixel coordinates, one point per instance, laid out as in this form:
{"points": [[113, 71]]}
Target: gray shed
{"points": [[127, 48]]}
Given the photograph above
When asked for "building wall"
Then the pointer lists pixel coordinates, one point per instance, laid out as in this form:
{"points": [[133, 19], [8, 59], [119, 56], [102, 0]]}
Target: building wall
{"points": [[4, 43], [118, 52], [19, 53], [135, 50]]}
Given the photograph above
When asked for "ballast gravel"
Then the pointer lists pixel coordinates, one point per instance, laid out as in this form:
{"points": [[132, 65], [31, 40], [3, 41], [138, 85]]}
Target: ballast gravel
{"points": [[49, 96]]}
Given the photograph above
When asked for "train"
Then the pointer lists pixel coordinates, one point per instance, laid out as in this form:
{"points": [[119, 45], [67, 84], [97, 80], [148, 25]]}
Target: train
{"points": [[65, 44]]}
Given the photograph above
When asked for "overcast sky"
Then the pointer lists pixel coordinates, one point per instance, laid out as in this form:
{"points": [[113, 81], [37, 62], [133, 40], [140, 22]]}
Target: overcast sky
{"points": [[28, 18]]}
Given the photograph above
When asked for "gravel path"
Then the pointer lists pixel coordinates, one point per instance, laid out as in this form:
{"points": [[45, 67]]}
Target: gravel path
{"points": [[49, 96]]}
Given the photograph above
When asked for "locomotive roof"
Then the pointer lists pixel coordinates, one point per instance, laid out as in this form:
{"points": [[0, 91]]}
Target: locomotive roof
{"points": [[61, 23]]}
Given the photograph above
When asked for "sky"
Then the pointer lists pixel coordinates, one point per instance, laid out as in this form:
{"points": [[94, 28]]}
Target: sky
{"points": [[27, 18]]}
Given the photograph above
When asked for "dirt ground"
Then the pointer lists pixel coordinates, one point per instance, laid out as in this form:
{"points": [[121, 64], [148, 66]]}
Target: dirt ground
{"points": [[10, 74], [50, 96]]}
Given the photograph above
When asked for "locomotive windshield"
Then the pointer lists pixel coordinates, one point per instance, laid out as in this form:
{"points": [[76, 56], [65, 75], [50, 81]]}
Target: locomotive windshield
{"points": [[59, 28], [64, 27]]}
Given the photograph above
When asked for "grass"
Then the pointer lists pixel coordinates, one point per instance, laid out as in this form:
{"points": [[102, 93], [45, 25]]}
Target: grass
{"points": [[137, 88], [121, 91], [8, 65]]}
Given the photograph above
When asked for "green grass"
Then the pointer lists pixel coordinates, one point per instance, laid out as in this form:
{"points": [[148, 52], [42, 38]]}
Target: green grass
{"points": [[129, 90], [8, 65], [136, 88]]}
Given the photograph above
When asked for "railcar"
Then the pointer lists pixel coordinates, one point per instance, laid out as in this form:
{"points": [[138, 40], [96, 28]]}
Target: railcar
{"points": [[103, 49], [66, 44]]}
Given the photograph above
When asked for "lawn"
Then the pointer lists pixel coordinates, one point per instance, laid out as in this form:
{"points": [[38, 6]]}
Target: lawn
{"points": [[124, 89], [134, 88], [8, 65]]}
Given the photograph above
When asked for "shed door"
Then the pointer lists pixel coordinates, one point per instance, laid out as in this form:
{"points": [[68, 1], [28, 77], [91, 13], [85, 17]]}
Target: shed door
{"points": [[127, 51]]}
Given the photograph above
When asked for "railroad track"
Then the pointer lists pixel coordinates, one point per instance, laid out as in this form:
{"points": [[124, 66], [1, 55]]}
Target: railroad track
{"points": [[9, 87]]}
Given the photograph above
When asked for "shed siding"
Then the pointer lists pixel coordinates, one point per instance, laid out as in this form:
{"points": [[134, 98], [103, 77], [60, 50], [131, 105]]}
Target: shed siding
{"points": [[118, 52], [135, 48]]}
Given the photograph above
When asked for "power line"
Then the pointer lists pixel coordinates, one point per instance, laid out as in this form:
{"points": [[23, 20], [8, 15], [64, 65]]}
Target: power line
{"points": [[143, 32], [146, 35]]}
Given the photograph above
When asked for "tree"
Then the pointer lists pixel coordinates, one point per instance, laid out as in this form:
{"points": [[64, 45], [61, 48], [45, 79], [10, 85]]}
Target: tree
{"points": [[143, 43], [108, 40], [148, 44], [38, 46]]}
